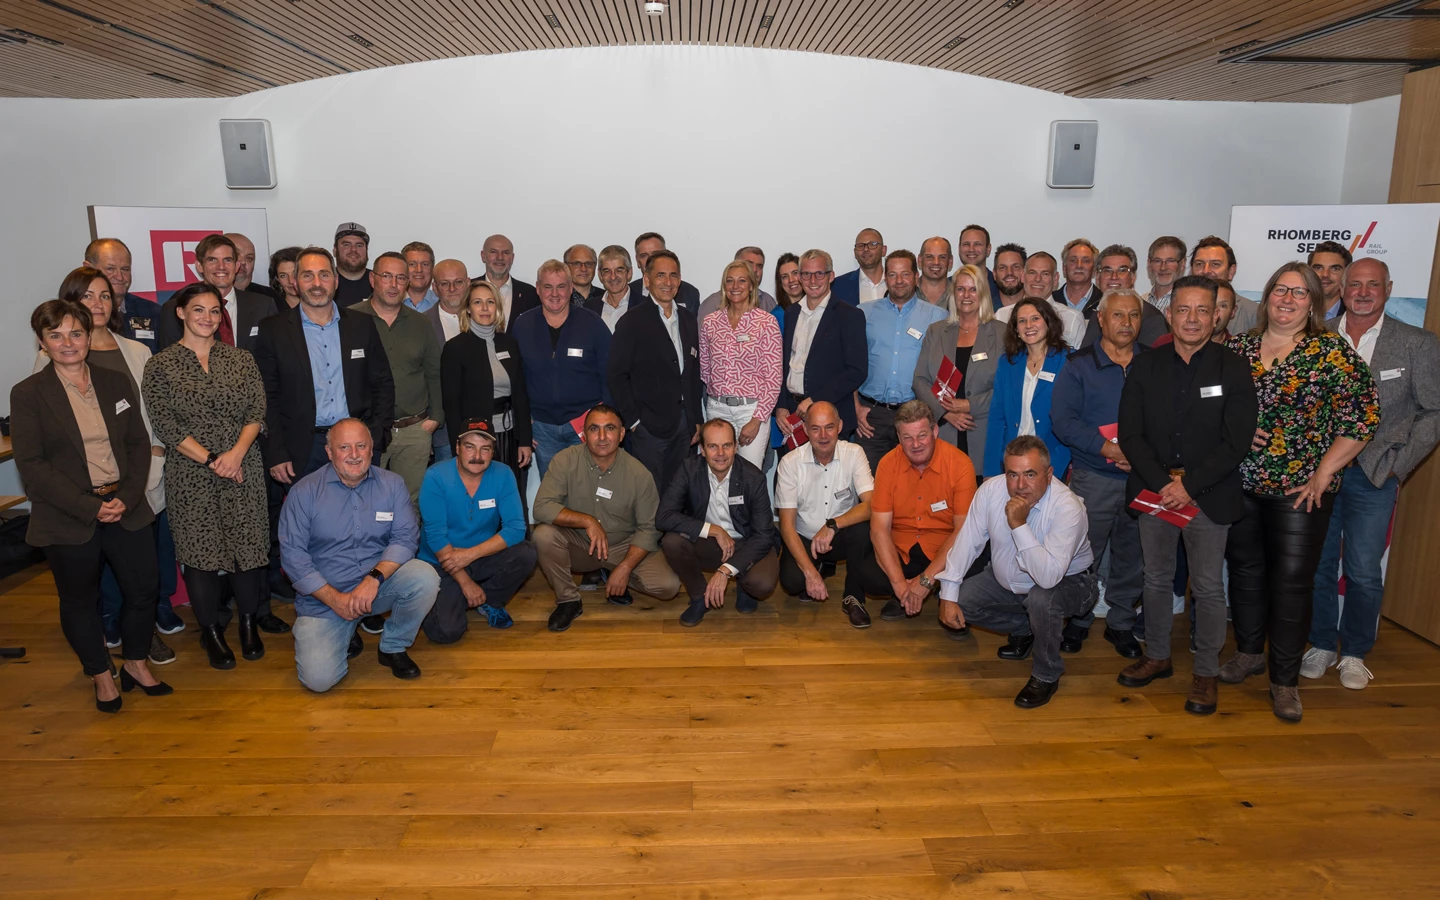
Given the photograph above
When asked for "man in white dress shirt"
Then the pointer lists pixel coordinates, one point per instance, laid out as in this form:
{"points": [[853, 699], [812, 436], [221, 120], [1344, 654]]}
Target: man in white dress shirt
{"points": [[615, 278], [1040, 280], [1039, 572]]}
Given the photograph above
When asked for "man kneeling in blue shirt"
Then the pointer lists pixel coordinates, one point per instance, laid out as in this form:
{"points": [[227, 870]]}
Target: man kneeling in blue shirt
{"points": [[474, 535], [348, 535]]}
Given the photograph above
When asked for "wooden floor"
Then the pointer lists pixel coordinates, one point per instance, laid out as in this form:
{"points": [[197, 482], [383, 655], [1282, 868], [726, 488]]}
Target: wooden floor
{"points": [[778, 755]]}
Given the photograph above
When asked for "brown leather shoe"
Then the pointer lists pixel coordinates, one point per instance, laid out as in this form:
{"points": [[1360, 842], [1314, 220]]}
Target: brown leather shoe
{"points": [[1204, 695], [1286, 702], [1145, 670], [1241, 666]]}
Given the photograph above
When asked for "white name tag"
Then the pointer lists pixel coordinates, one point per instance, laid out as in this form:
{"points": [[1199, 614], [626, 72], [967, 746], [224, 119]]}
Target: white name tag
{"points": [[979, 357], [384, 517], [604, 493], [737, 501], [121, 406], [742, 338], [1389, 374], [254, 330], [842, 494], [503, 354], [575, 351], [1045, 376], [915, 333], [1213, 390], [145, 334], [487, 504], [693, 352], [358, 353], [939, 506]]}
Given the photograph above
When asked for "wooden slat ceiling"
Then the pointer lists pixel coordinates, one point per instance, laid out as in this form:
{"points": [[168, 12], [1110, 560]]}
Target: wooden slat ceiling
{"points": [[1161, 49]]}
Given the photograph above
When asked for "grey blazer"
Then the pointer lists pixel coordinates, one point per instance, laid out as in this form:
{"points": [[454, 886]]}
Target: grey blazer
{"points": [[1409, 399], [432, 315], [979, 377]]}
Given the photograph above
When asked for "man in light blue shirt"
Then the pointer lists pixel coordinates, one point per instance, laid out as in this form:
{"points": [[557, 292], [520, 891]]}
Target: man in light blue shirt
{"points": [[474, 536], [323, 342], [419, 269], [894, 329], [348, 535]]}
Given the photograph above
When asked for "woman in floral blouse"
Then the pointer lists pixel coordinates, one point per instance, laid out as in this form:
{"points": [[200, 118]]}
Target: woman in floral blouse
{"points": [[740, 362], [1318, 408]]}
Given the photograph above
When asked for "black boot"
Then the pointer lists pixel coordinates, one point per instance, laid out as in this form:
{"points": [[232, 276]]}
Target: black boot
{"points": [[251, 647], [212, 639]]}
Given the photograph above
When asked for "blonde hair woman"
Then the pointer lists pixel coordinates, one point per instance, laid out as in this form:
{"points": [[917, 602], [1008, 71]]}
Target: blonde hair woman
{"points": [[481, 377], [740, 361]]}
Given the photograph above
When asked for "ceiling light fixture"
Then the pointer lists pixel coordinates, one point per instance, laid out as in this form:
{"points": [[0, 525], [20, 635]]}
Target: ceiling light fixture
{"points": [[955, 42], [553, 20], [766, 20], [361, 41], [1011, 4], [655, 7], [30, 35]]}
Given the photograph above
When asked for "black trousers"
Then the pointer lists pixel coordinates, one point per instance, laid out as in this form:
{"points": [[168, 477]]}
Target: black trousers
{"points": [[662, 454], [690, 562], [77, 568], [878, 583], [1273, 552], [499, 575], [851, 546], [882, 423], [249, 588]]}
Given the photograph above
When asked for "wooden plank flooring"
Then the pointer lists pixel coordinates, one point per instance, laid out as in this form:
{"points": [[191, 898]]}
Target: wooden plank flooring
{"points": [[779, 755]]}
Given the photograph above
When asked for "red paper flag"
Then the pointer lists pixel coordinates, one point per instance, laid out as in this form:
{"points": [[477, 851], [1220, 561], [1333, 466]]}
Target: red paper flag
{"points": [[1149, 503], [797, 436], [578, 423], [1111, 433], [947, 382]]}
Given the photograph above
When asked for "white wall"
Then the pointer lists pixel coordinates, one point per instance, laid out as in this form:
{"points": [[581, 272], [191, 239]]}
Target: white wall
{"points": [[598, 145], [1370, 150]]}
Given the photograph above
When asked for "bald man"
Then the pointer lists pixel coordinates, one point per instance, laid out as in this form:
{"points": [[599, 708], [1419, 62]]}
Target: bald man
{"points": [[516, 296], [245, 267], [452, 286], [139, 317]]}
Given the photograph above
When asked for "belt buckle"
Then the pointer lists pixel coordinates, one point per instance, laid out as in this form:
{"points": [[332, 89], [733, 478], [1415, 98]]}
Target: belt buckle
{"points": [[1177, 473]]}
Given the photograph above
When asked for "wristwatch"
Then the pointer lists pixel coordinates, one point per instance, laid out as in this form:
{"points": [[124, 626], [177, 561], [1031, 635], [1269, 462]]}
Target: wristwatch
{"points": [[210, 460], [927, 582], [832, 525], [377, 575]]}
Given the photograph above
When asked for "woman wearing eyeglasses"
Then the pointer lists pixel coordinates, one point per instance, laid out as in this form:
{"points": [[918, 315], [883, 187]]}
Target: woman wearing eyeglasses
{"points": [[1318, 408]]}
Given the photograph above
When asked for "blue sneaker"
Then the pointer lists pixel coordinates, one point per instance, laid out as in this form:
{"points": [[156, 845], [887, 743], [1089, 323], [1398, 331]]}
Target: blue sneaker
{"points": [[497, 616], [166, 622], [112, 633]]}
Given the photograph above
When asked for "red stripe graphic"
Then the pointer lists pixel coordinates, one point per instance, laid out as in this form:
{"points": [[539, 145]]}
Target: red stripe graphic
{"points": [[1365, 237]]}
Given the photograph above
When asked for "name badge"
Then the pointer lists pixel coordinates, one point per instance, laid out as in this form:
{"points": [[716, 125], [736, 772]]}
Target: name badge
{"points": [[384, 517], [254, 330], [121, 406], [842, 494], [979, 357], [145, 334], [604, 493], [693, 352], [1390, 374], [575, 351], [358, 353], [487, 504], [503, 354], [939, 506], [915, 333], [1045, 376], [742, 338], [737, 501], [1213, 390]]}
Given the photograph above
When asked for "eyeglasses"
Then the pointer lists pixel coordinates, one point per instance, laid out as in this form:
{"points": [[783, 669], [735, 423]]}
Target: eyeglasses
{"points": [[1280, 291], [391, 276], [867, 245], [1113, 270], [1165, 261], [813, 275]]}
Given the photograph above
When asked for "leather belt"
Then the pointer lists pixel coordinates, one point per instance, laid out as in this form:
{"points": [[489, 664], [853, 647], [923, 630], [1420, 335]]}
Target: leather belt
{"points": [[732, 400], [873, 402], [1178, 473], [410, 420], [105, 490]]}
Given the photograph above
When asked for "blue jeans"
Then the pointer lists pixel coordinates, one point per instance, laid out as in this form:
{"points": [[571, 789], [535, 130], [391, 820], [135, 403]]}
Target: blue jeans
{"points": [[110, 600], [1358, 528], [550, 440], [322, 642], [441, 446]]}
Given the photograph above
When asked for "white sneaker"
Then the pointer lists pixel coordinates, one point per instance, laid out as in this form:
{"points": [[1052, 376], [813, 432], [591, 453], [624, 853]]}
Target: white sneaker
{"points": [[1353, 673], [1316, 661]]}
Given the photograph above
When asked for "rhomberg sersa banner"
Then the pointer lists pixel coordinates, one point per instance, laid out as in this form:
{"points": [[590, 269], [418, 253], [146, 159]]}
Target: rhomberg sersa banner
{"points": [[162, 241]]}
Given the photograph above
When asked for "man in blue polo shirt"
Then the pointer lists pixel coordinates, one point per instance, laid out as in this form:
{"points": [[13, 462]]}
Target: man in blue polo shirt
{"points": [[894, 328], [474, 536], [348, 535]]}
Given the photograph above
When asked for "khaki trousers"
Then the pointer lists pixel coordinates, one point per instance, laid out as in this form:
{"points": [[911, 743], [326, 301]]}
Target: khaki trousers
{"points": [[563, 551]]}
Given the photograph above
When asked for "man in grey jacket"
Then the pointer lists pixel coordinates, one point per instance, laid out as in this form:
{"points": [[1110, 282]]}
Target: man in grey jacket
{"points": [[1405, 361]]}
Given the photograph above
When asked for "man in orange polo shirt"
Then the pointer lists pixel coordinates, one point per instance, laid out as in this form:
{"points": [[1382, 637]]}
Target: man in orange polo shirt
{"points": [[923, 490]]}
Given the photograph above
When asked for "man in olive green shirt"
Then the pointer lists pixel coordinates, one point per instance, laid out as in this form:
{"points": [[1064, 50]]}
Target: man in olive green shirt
{"points": [[596, 510], [409, 341]]}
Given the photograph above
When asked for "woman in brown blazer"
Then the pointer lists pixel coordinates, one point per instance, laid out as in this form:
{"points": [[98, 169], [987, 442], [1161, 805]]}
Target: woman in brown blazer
{"points": [[83, 453]]}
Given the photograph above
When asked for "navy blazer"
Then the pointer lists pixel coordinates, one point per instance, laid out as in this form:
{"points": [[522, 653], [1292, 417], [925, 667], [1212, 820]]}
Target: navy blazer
{"points": [[1004, 425], [650, 386], [839, 359], [141, 320], [688, 296], [846, 288], [687, 499], [596, 302], [523, 298]]}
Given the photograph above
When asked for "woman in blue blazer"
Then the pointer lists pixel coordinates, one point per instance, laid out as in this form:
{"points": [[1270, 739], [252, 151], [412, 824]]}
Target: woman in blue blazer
{"points": [[1034, 353]]}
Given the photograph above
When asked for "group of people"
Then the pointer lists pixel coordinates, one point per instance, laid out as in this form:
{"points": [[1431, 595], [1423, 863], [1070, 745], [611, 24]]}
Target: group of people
{"points": [[1015, 435]]}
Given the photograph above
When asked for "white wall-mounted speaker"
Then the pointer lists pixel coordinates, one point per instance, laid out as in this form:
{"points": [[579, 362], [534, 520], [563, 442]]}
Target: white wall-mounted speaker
{"points": [[249, 154], [1072, 153]]}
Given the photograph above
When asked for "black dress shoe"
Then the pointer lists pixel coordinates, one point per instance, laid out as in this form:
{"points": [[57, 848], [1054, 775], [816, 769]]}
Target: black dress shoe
{"points": [[854, 609], [372, 624], [272, 624], [624, 599], [1036, 693], [400, 664], [893, 610], [1072, 639], [564, 614], [1125, 643], [694, 613], [128, 683], [744, 603], [251, 647], [1017, 647], [593, 581], [212, 639], [357, 646], [108, 706]]}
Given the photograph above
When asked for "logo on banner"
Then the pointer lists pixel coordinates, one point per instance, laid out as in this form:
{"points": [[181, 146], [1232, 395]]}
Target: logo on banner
{"points": [[1307, 239], [172, 254]]}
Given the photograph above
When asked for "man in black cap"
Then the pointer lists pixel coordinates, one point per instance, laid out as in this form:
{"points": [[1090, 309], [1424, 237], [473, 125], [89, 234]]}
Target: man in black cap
{"points": [[352, 254]]}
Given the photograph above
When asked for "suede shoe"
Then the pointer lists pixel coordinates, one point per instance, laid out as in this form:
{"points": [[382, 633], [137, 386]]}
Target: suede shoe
{"points": [[893, 610], [694, 613], [1241, 666], [1036, 693], [1124, 641], [160, 655], [1204, 695], [854, 609], [564, 614], [744, 603], [1072, 639], [1017, 647], [1143, 671], [1285, 701], [399, 663]]}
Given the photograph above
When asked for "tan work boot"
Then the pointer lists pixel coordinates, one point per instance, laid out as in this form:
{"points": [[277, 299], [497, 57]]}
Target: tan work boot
{"points": [[1204, 695], [1145, 670]]}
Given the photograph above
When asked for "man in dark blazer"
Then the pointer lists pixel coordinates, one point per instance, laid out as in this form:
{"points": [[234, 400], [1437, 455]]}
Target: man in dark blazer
{"points": [[1187, 419], [216, 257], [654, 373], [139, 316], [516, 296], [870, 253], [716, 516], [292, 346], [824, 354], [1116, 272], [649, 243]]}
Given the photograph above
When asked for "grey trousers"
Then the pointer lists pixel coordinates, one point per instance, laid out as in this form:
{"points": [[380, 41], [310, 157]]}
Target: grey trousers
{"points": [[882, 422], [1205, 551], [1111, 525], [1042, 612]]}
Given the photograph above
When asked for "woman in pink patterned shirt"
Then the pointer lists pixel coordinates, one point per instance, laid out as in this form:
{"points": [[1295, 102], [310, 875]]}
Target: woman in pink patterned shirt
{"points": [[740, 362]]}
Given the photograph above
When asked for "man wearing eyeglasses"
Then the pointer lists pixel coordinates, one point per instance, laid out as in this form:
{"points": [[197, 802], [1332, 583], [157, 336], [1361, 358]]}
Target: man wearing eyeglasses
{"points": [[1214, 257], [824, 353], [867, 282], [1163, 264], [1116, 272], [580, 260], [452, 286]]}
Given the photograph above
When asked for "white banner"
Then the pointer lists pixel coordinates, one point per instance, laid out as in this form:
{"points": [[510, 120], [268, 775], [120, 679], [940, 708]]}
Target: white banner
{"points": [[162, 241], [1402, 235]]}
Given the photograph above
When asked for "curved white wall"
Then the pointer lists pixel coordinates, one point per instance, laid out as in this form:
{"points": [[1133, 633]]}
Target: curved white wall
{"points": [[598, 145]]}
